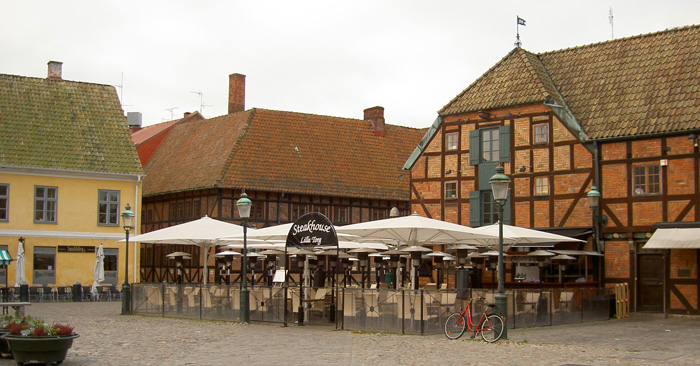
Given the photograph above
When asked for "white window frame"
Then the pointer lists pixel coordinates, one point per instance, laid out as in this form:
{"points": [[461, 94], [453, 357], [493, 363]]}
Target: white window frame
{"points": [[539, 136], [541, 186], [5, 203], [112, 207], [451, 190], [451, 141], [48, 214]]}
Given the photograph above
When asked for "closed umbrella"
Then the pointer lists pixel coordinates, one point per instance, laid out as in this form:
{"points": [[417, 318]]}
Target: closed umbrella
{"points": [[99, 271], [20, 278]]}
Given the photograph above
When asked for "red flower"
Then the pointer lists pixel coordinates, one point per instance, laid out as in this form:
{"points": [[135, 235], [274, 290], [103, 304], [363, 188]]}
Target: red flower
{"points": [[63, 329]]}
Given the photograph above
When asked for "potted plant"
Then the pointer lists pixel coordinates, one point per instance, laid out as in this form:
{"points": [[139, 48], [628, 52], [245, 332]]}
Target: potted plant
{"points": [[31, 339]]}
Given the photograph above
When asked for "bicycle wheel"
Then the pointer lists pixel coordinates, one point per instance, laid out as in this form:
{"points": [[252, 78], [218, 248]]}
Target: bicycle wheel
{"points": [[492, 328], [455, 325]]}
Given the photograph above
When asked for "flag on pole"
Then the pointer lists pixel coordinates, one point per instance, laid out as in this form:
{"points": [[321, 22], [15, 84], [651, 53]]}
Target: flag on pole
{"points": [[521, 21]]}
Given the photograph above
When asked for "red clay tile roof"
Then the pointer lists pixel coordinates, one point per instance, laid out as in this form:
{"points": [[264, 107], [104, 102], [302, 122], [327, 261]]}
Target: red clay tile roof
{"points": [[148, 139], [280, 151], [633, 86], [149, 132]]}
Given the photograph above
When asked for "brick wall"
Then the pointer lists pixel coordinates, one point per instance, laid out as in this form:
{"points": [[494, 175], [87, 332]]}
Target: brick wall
{"points": [[434, 166], [418, 170], [681, 179], [613, 181], [646, 148], [647, 213], [613, 151], [562, 157], [617, 264]]}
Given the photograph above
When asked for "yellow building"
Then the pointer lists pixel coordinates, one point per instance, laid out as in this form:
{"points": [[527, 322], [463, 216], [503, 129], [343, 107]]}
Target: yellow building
{"points": [[68, 168]]}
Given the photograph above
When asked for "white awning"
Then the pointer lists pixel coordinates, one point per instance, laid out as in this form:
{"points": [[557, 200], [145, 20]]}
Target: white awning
{"points": [[687, 238], [575, 252]]}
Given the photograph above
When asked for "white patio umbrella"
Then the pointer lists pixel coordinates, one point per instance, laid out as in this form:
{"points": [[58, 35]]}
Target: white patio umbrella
{"points": [[20, 277], [205, 233], [414, 230], [514, 235], [99, 271]]}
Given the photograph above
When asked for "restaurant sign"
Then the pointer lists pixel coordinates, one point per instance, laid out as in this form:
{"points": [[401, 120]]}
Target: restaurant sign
{"points": [[75, 249], [311, 230]]}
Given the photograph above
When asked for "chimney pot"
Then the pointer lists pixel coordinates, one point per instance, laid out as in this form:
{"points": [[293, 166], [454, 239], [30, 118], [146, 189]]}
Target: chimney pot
{"points": [[236, 93], [375, 116], [55, 70], [187, 114]]}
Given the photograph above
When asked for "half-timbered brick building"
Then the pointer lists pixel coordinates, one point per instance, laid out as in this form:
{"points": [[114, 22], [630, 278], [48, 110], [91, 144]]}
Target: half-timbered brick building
{"points": [[622, 115]]}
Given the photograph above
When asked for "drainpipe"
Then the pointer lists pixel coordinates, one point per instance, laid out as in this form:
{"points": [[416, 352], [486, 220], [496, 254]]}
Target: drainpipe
{"points": [[139, 178]]}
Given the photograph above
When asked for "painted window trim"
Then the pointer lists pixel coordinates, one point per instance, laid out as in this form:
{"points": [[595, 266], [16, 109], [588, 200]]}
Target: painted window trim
{"points": [[109, 204], [455, 190], [5, 197], [545, 134], [451, 145], [537, 193], [643, 190], [45, 199]]}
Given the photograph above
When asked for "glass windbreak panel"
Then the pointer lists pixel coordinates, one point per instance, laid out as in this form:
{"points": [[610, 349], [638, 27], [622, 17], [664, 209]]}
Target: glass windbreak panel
{"points": [[111, 265], [44, 265], [490, 148]]}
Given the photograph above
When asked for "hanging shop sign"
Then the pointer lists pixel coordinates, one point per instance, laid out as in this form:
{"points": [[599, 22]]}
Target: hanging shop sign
{"points": [[311, 230]]}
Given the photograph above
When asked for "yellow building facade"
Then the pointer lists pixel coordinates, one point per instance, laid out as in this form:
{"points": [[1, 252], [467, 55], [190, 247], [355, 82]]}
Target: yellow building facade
{"points": [[62, 251]]}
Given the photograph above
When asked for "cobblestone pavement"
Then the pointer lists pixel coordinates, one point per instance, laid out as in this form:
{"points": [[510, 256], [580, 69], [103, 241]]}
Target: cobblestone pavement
{"points": [[108, 338]]}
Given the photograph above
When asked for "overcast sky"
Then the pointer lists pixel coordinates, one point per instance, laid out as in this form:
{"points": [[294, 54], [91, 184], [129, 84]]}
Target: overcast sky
{"points": [[323, 57]]}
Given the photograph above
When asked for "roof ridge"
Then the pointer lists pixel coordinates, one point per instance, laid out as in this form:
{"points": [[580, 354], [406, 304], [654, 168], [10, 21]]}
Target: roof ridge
{"points": [[323, 116], [616, 40], [490, 70], [56, 80]]}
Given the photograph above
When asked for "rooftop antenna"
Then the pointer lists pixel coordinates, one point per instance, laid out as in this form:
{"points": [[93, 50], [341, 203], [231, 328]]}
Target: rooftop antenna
{"points": [[171, 111], [121, 91], [520, 21], [201, 101], [612, 27]]}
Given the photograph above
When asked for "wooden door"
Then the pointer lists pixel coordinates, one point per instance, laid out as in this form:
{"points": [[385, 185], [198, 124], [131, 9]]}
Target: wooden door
{"points": [[650, 283]]}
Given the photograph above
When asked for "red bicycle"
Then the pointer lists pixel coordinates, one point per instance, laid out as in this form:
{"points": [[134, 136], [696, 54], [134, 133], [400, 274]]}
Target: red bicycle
{"points": [[490, 325]]}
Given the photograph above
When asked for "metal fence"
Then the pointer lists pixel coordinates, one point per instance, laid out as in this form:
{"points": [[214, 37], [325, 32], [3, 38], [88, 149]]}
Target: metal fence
{"points": [[381, 310]]}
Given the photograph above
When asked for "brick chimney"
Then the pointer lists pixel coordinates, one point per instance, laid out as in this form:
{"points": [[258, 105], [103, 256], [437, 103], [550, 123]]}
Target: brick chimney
{"points": [[55, 70], [236, 93], [375, 116]]}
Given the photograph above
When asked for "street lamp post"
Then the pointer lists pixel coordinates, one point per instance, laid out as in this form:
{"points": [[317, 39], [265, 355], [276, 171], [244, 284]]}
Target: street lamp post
{"points": [[128, 223], [499, 187], [244, 205]]}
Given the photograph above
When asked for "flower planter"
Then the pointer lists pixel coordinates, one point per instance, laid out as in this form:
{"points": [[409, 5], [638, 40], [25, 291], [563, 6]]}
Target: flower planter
{"points": [[49, 349], [4, 348]]}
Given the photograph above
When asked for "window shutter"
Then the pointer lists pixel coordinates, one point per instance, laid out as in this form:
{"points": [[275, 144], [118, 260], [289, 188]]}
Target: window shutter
{"points": [[504, 144], [506, 209], [474, 147], [474, 208]]}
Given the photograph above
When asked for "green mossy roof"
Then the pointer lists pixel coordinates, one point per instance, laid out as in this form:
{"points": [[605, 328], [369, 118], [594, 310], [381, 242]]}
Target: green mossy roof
{"points": [[65, 125]]}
